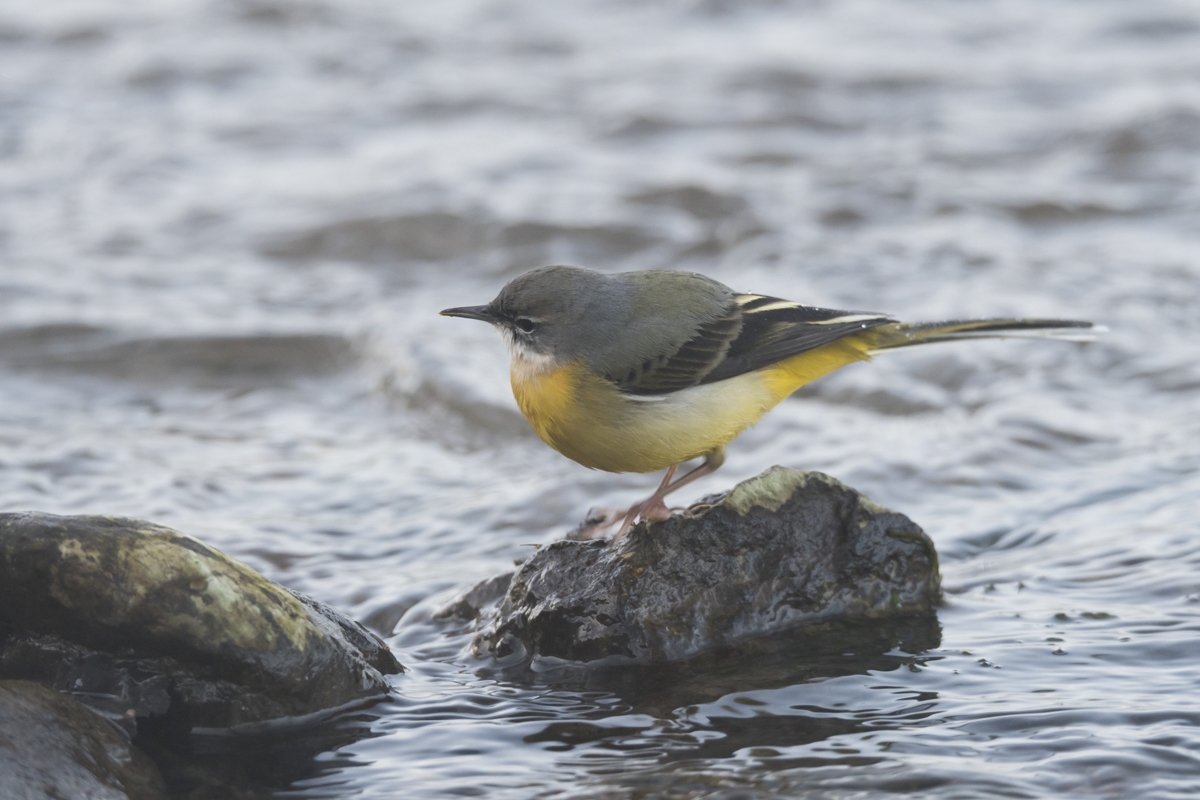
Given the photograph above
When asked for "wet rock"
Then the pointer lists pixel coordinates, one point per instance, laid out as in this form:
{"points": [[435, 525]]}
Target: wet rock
{"points": [[146, 624], [52, 746], [816, 652], [782, 551], [473, 603]]}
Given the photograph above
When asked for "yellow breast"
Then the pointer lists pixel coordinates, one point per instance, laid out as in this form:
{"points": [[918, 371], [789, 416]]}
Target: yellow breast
{"points": [[588, 420], [548, 399]]}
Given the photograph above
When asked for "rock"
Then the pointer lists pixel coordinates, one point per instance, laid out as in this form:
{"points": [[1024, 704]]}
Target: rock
{"points": [[781, 551], [52, 746], [813, 653], [144, 623]]}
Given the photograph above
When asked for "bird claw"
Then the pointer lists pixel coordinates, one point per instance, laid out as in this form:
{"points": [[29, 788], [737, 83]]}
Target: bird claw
{"points": [[600, 520], [656, 511]]}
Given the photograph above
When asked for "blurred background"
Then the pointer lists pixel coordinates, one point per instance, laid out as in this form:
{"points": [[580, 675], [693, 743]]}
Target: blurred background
{"points": [[227, 226]]}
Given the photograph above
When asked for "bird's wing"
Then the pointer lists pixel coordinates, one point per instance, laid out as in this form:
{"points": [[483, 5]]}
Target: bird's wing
{"points": [[689, 363], [774, 329], [755, 331]]}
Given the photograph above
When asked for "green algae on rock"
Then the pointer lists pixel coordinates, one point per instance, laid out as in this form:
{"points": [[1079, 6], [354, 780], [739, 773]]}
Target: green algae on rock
{"points": [[147, 622], [779, 552]]}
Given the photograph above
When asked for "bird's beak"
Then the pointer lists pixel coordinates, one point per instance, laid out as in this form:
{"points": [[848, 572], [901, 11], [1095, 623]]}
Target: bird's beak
{"points": [[470, 312]]}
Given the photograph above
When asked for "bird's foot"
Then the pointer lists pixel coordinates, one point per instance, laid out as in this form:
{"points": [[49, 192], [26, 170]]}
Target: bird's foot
{"points": [[654, 508], [651, 509], [598, 521]]}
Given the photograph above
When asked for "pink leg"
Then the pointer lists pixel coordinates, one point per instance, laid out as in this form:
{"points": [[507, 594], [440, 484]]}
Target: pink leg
{"points": [[651, 508], [654, 507], [627, 516]]}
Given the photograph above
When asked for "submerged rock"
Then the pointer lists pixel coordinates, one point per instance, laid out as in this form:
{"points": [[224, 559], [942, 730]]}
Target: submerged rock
{"points": [[781, 551], [51, 746], [146, 624]]}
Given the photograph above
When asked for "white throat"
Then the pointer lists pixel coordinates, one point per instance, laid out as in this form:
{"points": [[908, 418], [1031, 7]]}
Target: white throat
{"points": [[526, 364]]}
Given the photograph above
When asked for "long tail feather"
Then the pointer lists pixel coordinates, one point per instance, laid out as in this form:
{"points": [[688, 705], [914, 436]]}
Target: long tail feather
{"points": [[906, 334]]}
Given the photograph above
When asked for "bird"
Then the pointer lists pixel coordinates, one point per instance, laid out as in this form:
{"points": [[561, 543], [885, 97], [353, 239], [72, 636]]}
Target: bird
{"points": [[644, 371]]}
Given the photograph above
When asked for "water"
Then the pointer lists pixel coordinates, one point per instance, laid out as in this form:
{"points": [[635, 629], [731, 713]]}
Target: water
{"points": [[226, 227]]}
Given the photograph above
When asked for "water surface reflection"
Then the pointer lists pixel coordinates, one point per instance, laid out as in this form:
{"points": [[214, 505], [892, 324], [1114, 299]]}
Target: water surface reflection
{"points": [[228, 226]]}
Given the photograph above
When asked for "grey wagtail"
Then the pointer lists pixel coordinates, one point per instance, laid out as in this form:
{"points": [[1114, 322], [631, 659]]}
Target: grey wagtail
{"points": [[642, 371]]}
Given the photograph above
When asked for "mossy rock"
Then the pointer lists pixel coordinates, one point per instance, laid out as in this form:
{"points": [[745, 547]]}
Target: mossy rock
{"points": [[144, 621], [778, 552]]}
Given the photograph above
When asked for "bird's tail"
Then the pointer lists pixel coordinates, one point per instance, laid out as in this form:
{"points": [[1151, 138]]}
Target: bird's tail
{"points": [[904, 334]]}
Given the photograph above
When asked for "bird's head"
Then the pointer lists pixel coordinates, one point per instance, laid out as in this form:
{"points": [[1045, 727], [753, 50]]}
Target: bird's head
{"points": [[552, 315]]}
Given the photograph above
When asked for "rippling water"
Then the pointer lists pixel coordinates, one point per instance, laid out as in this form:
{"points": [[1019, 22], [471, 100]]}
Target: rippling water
{"points": [[226, 227]]}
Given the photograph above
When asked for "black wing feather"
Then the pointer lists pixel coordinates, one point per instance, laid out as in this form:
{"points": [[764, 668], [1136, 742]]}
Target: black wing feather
{"points": [[771, 335], [754, 332], [693, 360]]}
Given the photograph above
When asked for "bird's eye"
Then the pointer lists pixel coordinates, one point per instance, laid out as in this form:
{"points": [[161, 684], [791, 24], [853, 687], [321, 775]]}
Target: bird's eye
{"points": [[525, 324]]}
